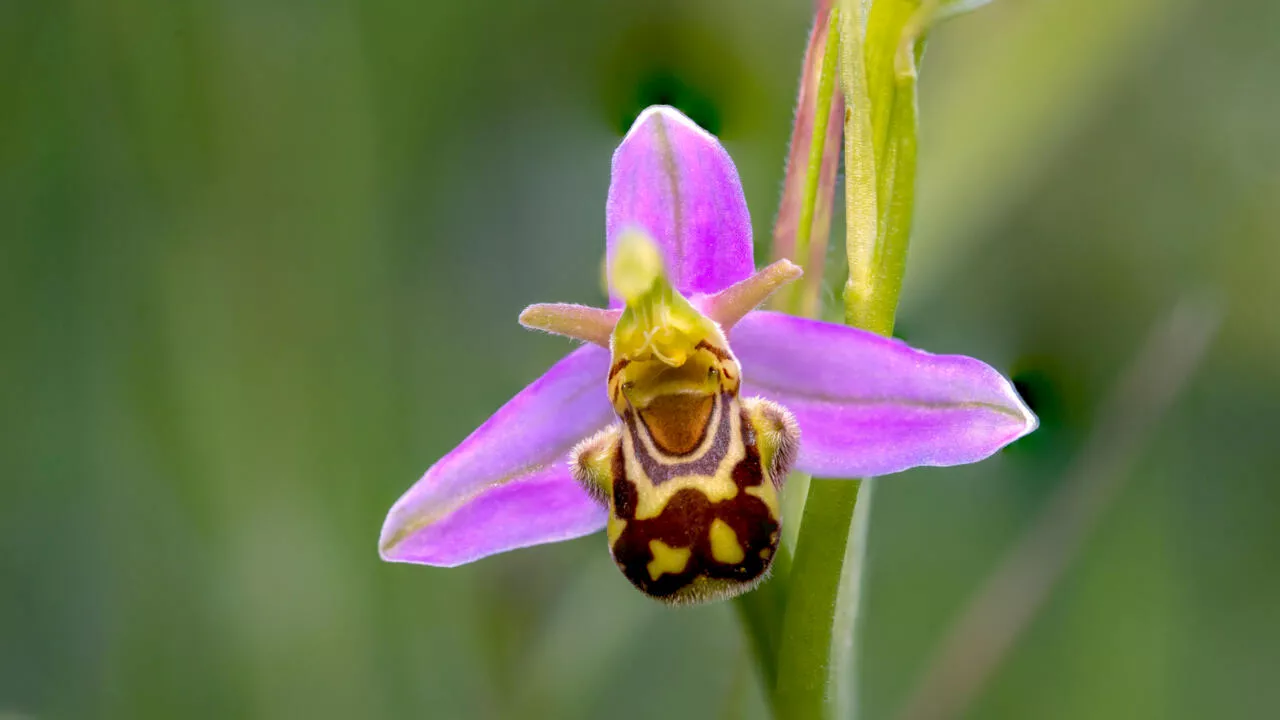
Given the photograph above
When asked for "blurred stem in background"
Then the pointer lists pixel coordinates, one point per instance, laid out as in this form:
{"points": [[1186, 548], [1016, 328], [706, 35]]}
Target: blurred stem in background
{"points": [[1015, 591]]}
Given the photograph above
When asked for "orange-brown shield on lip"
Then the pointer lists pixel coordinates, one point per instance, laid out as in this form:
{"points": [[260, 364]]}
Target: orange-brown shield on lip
{"points": [[678, 422]]}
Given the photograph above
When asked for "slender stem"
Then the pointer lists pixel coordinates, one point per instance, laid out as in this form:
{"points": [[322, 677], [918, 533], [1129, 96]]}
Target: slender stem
{"points": [[881, 176], [807, 300], [804, 681], [817, 151], [761, 611], [873, 304], [989, 627], [818, 645]]}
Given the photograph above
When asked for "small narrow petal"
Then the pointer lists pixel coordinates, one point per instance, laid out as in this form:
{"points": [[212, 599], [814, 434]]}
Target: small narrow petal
{"points": [[673, 180], [589, 324], [869, 405], [733, 303], [507, 486]]}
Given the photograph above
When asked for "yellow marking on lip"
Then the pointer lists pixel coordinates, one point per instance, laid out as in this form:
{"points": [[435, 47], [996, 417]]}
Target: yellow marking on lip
{"points": [[613, 529], [667, 559], [768, 495], [653, 500], [725, 547]]}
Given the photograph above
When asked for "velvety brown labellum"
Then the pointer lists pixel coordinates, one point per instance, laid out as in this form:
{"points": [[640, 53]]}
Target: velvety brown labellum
{"points": [[697, 548], [678, 423]]}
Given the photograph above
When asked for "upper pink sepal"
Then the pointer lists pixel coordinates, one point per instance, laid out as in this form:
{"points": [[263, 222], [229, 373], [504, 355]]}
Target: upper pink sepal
{"points": [[675, 181]]}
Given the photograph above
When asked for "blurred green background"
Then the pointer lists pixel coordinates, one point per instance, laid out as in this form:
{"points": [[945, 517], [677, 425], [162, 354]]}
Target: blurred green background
{"points": [[260, 263]]}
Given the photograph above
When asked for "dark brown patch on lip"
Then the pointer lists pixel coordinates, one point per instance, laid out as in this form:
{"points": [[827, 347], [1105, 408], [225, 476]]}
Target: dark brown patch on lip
{"points": [[617, 367], [685, 522], [678, 423], [719, 353], [625, 496]]}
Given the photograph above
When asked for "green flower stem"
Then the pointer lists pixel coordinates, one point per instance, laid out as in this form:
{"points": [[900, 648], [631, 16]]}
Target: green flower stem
{"points": [[761, 611], [813, 174], [818, 648], [805, 688], [883, 143]]}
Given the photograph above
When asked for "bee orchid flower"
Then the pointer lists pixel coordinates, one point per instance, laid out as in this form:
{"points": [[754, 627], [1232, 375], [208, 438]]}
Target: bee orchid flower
{"points": [[675, 424]]}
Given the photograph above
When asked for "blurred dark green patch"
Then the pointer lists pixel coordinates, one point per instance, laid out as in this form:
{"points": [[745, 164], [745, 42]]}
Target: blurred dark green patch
{"points": [[1035, 382], [666, 87], [685, 65]]}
